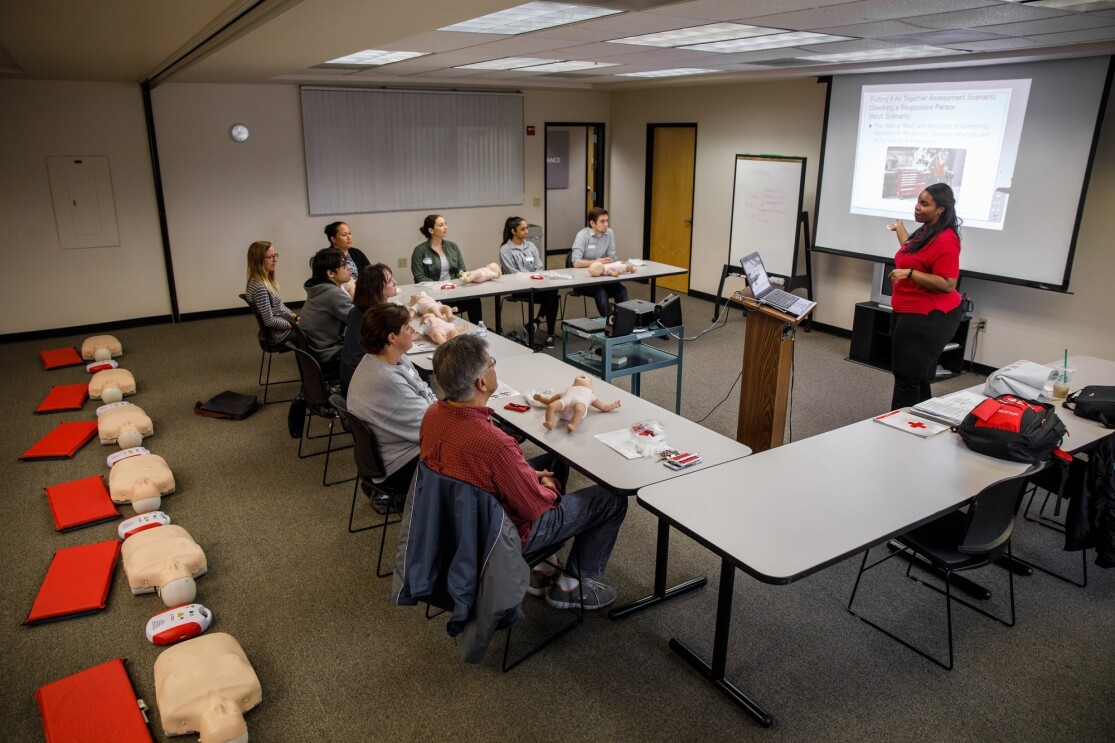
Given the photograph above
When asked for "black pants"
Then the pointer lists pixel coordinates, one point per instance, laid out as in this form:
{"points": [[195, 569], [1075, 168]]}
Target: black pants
{"points": [[472, 307], [916, 343], [616, 291], [546, 304]]}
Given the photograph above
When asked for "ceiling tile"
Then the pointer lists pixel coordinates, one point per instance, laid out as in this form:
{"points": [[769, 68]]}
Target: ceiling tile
{"points": [[883, 10], [1002, 13], [1074, 22], [1107, 33], [805, 20], [731, 10], [874, 30]]}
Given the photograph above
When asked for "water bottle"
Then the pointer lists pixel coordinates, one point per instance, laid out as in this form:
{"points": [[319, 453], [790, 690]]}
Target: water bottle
{"points": [[481, 329]]}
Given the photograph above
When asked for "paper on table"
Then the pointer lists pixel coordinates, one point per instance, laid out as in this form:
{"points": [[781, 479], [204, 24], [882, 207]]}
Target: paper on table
{"points": [[422, 347], [916, 425], [504, 391], [622, 441], [951, 408]]}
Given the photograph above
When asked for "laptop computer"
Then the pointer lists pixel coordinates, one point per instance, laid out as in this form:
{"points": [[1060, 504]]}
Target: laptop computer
{"points": [[759, 281]]}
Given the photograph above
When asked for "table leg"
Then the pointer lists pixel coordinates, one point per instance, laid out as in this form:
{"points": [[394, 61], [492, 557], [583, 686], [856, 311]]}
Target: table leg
{"points": [[661, 592], [653, 288], [635, 384], [714, 674]]}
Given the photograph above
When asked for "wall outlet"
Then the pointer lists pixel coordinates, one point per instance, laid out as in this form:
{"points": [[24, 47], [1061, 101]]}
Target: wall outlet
{"points": [[402, 263], [981, 325]]}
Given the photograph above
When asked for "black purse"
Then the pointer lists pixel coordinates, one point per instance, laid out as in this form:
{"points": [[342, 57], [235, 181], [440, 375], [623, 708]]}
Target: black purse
{"points": [[1094, 402], [296, 416]]}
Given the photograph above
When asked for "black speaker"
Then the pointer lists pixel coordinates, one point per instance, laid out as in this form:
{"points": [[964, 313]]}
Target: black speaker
{"points": [[668, 311], [620, 321]]}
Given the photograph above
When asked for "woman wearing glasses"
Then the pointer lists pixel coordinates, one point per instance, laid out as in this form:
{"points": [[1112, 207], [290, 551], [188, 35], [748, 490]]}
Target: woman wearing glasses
{"points": [[376, 285], [263, 292]]}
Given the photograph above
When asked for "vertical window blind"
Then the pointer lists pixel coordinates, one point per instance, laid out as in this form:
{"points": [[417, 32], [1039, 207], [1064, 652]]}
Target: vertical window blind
{"points": [[406, 150]]}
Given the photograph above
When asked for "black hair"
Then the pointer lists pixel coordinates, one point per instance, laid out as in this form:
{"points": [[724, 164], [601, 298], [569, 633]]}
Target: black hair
{"points": [[942, 195], [509, 228]]}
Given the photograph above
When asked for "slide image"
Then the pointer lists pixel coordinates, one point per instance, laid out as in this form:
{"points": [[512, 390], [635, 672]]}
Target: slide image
{"points": [[910, 169]]}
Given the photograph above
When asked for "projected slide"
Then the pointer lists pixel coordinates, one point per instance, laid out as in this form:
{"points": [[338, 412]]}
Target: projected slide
{"points": [[914, 135]]}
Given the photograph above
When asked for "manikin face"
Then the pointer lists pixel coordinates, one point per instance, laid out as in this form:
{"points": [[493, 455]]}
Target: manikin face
{"points": [[343, 239], [926, 210], [600, 226], [391, 288], [521, 232], [582, 381]]}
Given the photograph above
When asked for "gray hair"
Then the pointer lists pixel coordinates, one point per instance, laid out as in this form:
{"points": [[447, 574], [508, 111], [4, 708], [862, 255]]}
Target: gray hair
{"points": [[458, 363]]}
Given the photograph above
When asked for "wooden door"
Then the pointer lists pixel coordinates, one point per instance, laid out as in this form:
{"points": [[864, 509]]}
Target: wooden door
{"points": [[673, 161]]}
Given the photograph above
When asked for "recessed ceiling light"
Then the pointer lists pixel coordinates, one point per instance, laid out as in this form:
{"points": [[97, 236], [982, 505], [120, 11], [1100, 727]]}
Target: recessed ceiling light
{"points": [[874, 55], [676, 72], [530, 17], [373, 57], [567, 66], [698, 35], [1079, 6], [507, 63], [774, 41]]}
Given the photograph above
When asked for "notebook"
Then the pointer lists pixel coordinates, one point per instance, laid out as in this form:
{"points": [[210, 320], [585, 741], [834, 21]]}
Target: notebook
{"points": [[759, 281]]}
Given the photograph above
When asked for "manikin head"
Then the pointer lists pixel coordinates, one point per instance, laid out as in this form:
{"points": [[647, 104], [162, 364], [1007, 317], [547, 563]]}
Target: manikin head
{"points": [[112, 394], [145, 495], [222, 721], [596, 268], [102, 354], [176, 584], [129, 439], [582, 380]]}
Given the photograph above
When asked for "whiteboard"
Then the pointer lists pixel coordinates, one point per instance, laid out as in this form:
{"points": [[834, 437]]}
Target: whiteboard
{"points": [[766, 207]]}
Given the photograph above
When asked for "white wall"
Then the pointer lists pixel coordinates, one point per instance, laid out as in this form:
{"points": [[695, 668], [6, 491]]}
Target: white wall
{"points": [[785, 118], [42, 285], [222, 195]]}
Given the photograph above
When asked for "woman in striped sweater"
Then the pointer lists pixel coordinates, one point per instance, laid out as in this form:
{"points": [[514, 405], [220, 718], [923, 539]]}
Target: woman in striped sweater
{"points": [[263, 292]]}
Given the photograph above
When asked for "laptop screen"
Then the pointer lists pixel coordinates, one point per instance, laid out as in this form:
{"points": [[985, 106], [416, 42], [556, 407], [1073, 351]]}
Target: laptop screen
{"points": [[756, 274]]}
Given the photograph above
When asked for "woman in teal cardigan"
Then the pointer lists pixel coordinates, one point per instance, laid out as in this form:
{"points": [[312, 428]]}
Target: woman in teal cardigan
{"points": [[438, 259]]}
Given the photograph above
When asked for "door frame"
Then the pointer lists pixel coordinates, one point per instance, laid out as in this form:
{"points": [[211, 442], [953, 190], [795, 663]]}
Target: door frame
{"points": [[598, 172], [648, 174]]}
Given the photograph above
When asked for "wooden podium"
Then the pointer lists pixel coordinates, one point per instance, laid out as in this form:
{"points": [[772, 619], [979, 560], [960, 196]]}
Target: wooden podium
{"points": [[768, 355]]}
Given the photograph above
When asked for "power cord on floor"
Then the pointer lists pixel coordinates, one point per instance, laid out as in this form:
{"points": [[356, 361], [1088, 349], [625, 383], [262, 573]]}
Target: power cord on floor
{"points": [[717, 405]]}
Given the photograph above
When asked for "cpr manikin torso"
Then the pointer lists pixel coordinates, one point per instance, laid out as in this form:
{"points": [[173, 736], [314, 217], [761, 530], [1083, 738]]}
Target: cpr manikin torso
{"points": [[423, 304], [490, 272], [164, 559], [205, 685], [616, 268], [100, 348], [112, 385], [573, 403], [140, 480], [126, 425], [436, 329]]}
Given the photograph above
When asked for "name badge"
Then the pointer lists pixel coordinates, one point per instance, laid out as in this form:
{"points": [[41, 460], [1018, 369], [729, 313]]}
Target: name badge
{"points": [[530, 259], [427, 260]]}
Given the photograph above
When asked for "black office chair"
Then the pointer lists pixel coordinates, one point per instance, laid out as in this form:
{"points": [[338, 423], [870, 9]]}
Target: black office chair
{"points": [[317, 393], [585, 294], [369, 468], [443, 558], [959, 541], [1059, 481], [269, 349]]}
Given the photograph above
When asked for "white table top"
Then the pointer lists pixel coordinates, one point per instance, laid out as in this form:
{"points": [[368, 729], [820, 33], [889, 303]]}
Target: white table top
{"points": [[582, 449], [521, 282], [790, 511]]}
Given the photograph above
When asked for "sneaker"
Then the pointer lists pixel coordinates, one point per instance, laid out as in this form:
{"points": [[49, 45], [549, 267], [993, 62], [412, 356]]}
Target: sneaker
{"points": [[597, 596], [549, 341], [385, 505], [539, 582]]}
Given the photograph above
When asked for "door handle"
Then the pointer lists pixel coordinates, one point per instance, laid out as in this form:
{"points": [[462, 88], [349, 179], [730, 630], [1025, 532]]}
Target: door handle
{"points": [[688, 221]]}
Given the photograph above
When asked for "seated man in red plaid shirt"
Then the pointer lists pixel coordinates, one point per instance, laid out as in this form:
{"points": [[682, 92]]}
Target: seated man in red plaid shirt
{"points": [[459, 440]]}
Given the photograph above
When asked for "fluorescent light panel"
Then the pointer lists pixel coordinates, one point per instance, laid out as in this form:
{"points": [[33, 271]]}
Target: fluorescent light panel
{"points": [[507, 63], [773, 41], [523, 19], [697, 35], [676, 72], [571, 66], [873, 55], [372, 57]]}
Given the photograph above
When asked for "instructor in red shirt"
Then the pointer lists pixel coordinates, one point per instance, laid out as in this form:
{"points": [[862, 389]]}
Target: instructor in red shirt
{"points": [[925, 302]]}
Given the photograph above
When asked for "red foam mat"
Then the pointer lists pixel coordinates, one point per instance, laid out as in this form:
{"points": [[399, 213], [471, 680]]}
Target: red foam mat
{"points": [[57, 358], [76, 582], [64, 397], [91, 706], [63, 442], [80, 503]]}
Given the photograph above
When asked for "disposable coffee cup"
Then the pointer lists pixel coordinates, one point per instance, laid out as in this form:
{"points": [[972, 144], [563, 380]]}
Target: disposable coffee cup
{"points": [[1061, 385]]}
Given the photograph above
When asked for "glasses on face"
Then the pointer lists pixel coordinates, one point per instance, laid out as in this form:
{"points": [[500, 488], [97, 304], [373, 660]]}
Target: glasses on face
{"points": [[391, 281], [272, 257]]}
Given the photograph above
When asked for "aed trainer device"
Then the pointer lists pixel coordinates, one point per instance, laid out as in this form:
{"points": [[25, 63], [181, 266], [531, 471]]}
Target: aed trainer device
{"points": [[177, 624]]}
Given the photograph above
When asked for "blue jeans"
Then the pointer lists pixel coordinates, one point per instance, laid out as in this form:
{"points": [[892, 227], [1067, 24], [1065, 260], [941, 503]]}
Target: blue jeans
{"points": [[593, 517]]}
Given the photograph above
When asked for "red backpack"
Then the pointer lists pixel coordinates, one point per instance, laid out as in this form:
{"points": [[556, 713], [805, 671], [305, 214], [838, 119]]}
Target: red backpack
{"points": [[1008, 427]]}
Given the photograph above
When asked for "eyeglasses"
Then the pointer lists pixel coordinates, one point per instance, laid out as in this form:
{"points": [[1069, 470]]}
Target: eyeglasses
{"points": [[491, 364], [392, 281], [274, 257]]}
